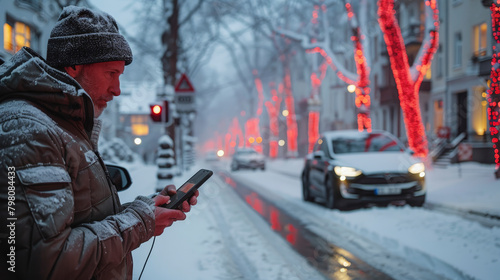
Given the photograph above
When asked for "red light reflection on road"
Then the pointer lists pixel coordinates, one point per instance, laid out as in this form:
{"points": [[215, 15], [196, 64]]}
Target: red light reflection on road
{"points": [[230, 182], [319, 253], [292, 234], [275, 219]]}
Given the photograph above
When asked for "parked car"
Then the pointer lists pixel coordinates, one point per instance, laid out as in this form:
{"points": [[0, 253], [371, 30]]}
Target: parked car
{"points": [[348, 169], [211, 155], [247, 158]]}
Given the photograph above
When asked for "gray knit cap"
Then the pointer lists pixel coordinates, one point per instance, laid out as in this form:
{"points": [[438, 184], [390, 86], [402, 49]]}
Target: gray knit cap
{"points": [[83, 36]]}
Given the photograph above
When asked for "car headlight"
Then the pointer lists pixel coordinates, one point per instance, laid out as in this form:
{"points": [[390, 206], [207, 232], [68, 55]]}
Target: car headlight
{"points": [[417, 168], [347, 171]]}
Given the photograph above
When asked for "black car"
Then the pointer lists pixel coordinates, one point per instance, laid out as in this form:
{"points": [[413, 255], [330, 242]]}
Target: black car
{"points": [[348, 169]]}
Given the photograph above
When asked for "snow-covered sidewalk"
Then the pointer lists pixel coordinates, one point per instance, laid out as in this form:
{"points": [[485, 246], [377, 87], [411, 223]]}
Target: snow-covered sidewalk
{"points": [[221, 239]]}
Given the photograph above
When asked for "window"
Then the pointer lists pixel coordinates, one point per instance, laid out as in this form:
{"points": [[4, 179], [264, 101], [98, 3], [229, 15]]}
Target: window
{"points": [[458, 50], [439, 62], [479, 39], [15, 36], [374, 142], [139, 125], [428, 74], [325, 150]]}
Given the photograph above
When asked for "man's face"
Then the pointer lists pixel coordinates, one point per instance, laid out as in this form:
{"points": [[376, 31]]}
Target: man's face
{"points": [[100, 80]]}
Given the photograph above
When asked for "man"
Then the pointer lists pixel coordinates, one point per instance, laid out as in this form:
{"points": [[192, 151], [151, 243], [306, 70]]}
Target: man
{"points": [[61, 217]]}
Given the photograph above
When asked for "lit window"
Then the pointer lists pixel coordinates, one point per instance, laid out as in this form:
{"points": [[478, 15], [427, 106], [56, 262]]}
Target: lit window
{"points": [[479, 39], [428, 74], [139, 125], [439, 62], [8, 45], [16, 38]]}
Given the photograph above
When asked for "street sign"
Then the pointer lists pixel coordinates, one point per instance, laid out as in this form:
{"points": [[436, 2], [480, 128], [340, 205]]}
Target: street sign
{"points": [[184, 85], [184, 95], [464, 152], [443, 132]]}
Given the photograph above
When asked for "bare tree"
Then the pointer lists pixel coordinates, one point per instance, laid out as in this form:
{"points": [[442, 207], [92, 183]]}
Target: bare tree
{"points": [[408, 78]]}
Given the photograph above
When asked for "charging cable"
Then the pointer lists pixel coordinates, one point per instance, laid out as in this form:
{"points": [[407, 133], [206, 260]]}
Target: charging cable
{"points": [[147, 258]]}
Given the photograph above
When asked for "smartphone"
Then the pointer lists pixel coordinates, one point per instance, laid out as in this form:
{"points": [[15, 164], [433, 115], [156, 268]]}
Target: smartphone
{"points": [[187, 189]]}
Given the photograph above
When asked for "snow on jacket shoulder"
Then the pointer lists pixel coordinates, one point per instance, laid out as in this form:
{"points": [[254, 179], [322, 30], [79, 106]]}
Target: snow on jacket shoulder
{"points": [[67, 215]]}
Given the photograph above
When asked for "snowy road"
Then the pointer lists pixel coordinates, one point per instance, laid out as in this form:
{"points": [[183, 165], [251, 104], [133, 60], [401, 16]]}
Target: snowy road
{"points": [[230, 241]]}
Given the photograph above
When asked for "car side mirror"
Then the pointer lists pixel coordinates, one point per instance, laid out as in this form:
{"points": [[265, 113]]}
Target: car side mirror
{"points": [[119, 177], [319, 154]]}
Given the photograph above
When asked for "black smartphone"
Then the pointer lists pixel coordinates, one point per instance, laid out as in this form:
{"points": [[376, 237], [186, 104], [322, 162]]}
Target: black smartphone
{"points": [[187, 189]]}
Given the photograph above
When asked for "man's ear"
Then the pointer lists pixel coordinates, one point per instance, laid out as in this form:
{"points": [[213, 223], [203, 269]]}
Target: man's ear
{"points": [[73, 71]]}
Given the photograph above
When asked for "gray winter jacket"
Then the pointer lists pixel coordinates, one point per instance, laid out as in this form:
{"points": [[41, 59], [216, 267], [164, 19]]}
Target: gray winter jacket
{"points": [[64, 220]]}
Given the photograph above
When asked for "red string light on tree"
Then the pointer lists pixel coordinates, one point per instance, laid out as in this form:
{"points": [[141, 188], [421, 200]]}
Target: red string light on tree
{"points": [[292, 131], [362, 92], [313, 128], [493, 92], [407, 86], [236, 133], [273, 107]]}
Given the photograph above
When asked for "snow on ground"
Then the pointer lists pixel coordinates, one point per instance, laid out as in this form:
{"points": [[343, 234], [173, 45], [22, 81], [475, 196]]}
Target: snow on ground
{"points": [[466, 246], [221, 239], [218, 242]]}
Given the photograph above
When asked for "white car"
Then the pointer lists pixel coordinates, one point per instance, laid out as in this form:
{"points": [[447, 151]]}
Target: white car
{"points": [[349, 168], [247, 158]]}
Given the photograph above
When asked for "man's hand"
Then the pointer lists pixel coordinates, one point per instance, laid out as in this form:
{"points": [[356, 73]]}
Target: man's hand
{"points": [[166, 217], [186, 206]]}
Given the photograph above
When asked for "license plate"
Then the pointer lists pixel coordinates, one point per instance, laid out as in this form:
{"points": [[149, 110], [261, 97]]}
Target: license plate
{"points": [[387, 191]]}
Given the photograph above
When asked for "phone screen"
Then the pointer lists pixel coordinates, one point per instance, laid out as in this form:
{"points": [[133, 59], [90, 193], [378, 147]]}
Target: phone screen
{"points": [[186, 187]]}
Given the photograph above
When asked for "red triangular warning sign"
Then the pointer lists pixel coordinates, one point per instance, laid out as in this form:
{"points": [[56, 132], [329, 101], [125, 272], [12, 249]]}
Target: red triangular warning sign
{"points": [[184, 85]]}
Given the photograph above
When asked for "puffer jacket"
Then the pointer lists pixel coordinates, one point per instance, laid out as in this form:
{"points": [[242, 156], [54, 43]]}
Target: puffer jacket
{"points": [[64, 220]]}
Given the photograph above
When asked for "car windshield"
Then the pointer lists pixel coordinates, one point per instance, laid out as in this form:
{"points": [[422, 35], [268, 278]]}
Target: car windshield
{"points": [[246, 152], [375, 142]]}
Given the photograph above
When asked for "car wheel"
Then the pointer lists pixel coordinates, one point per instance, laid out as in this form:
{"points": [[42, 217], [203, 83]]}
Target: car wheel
{"points": [[263, 168], [330, 195], [234, 166], [418, 202], [333, 200], [306, 195]]}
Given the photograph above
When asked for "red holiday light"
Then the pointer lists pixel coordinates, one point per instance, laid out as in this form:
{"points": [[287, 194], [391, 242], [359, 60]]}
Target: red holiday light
{"points": [[493, 93], [313, 128], [408, 86], [362, 90], [236, 136], [291, 122], [273, 107]]}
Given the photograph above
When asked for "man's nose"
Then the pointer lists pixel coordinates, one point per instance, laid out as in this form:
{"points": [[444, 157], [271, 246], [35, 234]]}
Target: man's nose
{"points": [[115, 88]]}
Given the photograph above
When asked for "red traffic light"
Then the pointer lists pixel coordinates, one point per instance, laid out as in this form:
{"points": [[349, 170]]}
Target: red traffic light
{"points": [[159, 112], [156, 109]]}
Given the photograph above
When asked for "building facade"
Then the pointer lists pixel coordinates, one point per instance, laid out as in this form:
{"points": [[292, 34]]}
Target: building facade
{"points": [[453, 92], [26, 23]]}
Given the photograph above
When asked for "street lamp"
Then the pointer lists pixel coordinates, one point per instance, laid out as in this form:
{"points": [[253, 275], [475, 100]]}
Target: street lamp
{"points": [[351, 88], [137, 141]]}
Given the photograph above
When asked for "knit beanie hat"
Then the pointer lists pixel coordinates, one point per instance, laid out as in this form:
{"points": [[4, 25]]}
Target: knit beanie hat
{"points": [[83, 36]]}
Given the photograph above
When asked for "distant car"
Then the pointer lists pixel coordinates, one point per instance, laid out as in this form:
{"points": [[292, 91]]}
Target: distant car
{"points": [[348, 169], [247, 158], [211, 156]]}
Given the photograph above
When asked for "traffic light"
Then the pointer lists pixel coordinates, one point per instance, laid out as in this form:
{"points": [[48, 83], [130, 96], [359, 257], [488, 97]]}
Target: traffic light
{"points": [[159, 112]]}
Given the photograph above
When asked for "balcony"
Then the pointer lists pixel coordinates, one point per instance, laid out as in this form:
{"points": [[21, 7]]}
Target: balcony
{"points": [[425, 86], [388, 95], [484, 66], [413, 35]]}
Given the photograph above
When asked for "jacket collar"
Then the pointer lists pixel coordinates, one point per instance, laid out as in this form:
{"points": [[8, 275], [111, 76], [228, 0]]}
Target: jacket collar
{"points": [[27, 76]]}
